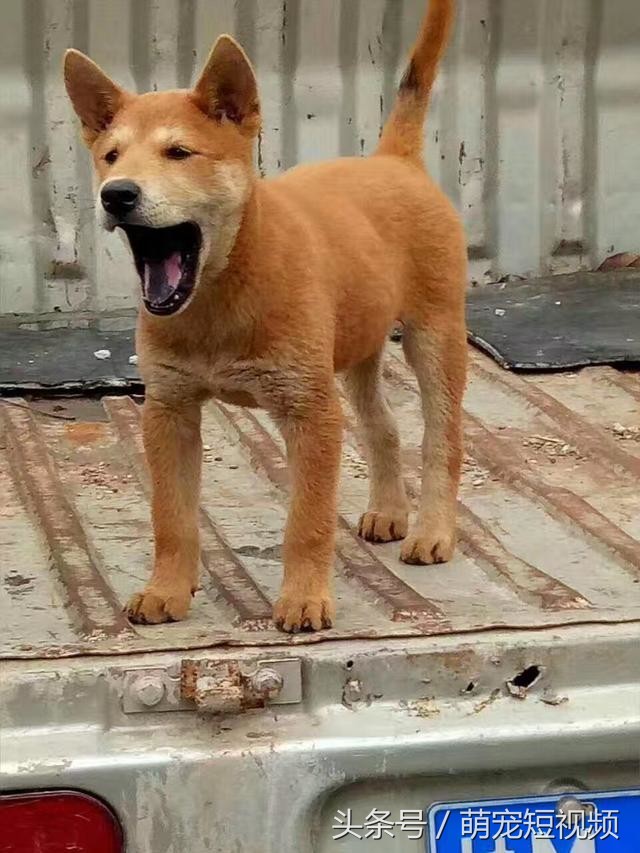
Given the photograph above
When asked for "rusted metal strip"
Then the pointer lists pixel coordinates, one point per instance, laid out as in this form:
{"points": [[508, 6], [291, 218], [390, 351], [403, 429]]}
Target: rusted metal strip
{"points": [[358, 563], [264, 454], [91, 601], [533, 585], [503, 458], [589, 440], [627, 382], [477, 541], [228, 574]]}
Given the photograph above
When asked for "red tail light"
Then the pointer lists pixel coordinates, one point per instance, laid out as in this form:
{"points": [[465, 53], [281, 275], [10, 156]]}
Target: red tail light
{"points": [[57, 822]]}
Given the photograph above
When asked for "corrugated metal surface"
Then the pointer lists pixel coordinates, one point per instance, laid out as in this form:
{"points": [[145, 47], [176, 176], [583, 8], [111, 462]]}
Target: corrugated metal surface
{"points": [[395, 725], [549, 521], [529, 133]]}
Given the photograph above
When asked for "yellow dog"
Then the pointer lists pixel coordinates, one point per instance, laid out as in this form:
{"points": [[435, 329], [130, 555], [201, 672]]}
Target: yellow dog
{"points": [[257, 292]]}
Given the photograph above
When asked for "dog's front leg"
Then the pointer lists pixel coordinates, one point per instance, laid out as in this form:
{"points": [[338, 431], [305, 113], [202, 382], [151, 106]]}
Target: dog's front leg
{"points": [[174, 455], [314, 446]]}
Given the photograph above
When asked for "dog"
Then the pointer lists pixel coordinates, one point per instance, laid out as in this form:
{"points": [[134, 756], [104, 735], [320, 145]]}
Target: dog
{"points": [[260, 292]]}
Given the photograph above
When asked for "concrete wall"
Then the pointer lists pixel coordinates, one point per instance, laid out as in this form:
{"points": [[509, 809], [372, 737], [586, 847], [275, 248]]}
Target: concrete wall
{"points": [[534, 128]]}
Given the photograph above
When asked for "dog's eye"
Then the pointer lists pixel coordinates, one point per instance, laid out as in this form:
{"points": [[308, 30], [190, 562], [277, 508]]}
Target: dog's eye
{"points": [[111, 156], [177, 152]]}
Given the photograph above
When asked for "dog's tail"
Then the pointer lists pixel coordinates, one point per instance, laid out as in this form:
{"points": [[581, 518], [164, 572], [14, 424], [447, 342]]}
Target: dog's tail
{"points": [[403, 132]]}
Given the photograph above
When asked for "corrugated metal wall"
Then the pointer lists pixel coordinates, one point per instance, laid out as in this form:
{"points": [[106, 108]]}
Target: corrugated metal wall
{"points": [[534, 129]]}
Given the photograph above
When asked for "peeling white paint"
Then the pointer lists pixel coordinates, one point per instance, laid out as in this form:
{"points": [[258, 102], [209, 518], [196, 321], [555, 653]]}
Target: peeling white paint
{"points": [[529, 128]]}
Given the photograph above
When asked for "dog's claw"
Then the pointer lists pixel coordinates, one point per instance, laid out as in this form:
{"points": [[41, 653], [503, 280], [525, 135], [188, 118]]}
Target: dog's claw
{"points": [[292, 613], [156, 605], [425, 550], [383, 526]]}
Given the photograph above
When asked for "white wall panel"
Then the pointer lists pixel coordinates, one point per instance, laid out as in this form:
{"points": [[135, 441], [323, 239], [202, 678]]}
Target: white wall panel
{"points": [[533, 131]]}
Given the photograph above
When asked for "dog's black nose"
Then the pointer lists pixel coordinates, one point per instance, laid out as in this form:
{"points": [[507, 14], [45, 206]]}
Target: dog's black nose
{"points": [[120, 197]]}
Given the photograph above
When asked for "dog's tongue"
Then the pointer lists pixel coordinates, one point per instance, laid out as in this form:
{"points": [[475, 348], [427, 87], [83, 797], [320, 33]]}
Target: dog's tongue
{"points": [[161, 278]]}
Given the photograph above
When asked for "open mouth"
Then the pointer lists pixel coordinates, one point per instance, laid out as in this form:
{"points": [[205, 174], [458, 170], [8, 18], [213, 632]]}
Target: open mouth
{"points": [[167, 263]]}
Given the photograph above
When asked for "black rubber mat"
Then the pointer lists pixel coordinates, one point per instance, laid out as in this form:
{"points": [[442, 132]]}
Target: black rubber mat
{"points": [[554, 323], [560, 322], [65, 360]]}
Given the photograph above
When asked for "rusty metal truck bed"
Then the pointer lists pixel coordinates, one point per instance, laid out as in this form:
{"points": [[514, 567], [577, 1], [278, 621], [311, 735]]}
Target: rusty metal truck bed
{"points": [[549, 520]]}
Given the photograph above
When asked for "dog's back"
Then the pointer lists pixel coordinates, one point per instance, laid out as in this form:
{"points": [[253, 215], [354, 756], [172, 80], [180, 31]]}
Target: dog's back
{"points": [[369, 230]]}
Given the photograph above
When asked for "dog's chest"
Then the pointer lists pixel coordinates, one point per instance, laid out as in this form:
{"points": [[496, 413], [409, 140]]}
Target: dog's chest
{"points": [[236, 397], [261, 383], [254, 383]]}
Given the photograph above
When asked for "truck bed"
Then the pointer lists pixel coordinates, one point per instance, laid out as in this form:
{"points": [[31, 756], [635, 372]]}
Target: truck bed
{"points": [[549, 520]]}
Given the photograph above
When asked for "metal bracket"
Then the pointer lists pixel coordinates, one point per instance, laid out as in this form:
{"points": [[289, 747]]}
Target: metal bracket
{"points": [[229, 687], [213, 686], [156, 690]]}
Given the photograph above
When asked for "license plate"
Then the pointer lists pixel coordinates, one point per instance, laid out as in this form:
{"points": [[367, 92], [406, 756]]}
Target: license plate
{"points": [[596, 823]]}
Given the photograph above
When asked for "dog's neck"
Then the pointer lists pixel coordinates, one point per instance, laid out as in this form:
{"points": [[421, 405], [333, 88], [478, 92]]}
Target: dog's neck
{"points": [[234, 216], [225, 311], [245, 244]]}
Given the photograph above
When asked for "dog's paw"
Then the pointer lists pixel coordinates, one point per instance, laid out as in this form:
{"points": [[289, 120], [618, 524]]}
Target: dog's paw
{"points": [[159, 604], [383, 526], [425, 549], [293, 613]]}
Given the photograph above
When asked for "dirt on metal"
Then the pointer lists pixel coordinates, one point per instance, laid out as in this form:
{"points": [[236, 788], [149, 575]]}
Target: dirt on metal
{"points": [[549, 525]]}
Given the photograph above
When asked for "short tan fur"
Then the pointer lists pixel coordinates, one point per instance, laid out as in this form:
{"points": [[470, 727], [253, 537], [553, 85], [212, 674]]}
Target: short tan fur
{"points": [[299, 278]]}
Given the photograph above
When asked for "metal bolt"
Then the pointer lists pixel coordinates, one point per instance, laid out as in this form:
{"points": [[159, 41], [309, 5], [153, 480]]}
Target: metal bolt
{"points": [[149, 690], [565, 786], [352, 693], [174, 670], [574, 810], [267, 683]]}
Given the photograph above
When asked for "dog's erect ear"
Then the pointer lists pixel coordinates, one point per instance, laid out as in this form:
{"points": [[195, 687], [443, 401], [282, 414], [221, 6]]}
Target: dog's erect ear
{"points": [[227, 88], [95, 97]]}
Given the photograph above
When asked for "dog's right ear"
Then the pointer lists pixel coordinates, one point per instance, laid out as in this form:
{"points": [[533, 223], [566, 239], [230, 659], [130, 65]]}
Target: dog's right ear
{"points": [[95, 97], [227, 88]]}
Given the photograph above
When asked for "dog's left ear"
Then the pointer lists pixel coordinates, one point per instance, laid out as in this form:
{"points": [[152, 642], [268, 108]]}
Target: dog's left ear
{"points": [[227, 88], [95, 97]]}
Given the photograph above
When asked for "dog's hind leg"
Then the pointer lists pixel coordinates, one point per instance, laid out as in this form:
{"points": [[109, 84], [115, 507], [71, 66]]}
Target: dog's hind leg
{"points": [[438, 357], [386, 518]]}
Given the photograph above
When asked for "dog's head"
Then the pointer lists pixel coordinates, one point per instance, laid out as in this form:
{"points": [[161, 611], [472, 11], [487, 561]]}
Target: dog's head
{"points": [[174, 169]]}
